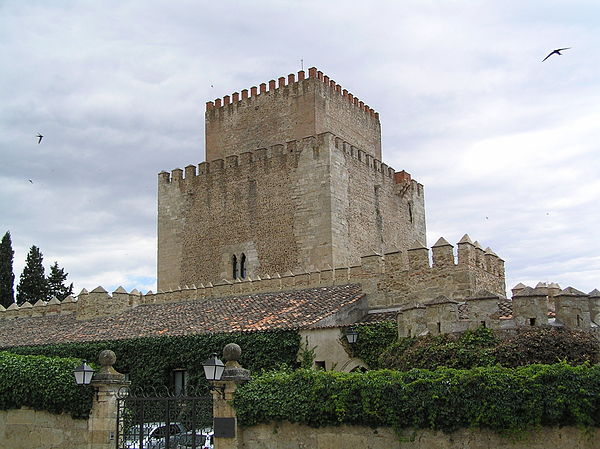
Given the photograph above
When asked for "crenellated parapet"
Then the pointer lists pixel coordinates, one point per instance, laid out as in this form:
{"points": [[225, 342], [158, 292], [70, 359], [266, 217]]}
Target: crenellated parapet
{"points": [[262, 160], [426, 274], [286, 86], [543, 305]]}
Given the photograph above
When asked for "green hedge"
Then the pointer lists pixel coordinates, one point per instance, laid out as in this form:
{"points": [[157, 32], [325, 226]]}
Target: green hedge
{"points": [[42, 383], [150, 361], [502, 399]]}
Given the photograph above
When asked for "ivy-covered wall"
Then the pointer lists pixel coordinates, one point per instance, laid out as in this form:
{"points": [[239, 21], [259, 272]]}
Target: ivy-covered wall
{"points": [[42, 383], [150, 361], [379, 346], [501, 399]]}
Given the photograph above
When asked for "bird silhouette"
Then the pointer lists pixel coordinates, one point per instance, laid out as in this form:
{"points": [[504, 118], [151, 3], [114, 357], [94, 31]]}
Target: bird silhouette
{"points": [[30, 181], [555, 52], [40, 137]]}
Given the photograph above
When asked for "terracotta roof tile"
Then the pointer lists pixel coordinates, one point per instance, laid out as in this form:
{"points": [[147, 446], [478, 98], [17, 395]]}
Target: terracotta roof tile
{"points": [[266, 311]]}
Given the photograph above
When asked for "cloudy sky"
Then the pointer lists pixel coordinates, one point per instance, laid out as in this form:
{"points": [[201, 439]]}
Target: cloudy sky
{"points": [[506, 146]]}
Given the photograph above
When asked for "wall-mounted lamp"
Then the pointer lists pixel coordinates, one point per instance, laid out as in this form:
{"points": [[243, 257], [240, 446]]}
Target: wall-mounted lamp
{"points": [[83, 375], [351, 335], [213, 370]]}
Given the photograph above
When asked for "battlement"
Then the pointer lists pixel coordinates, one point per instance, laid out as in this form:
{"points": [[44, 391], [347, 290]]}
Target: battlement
{"points": [[469, 254], [235, 99], [528, 307], [286, 153], [373, 272], [422, 275], [288, 109]]}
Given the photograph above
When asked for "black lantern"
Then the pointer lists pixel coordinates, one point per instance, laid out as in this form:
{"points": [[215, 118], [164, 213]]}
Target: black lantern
{"points": [[213, 368], [83, 374], [351, 335]]}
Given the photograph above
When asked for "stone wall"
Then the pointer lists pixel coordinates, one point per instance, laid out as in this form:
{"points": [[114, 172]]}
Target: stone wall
{"points": [[329, 349], [26, 428], [289, 111], [310, 204], [294, 436], [387, 280]]}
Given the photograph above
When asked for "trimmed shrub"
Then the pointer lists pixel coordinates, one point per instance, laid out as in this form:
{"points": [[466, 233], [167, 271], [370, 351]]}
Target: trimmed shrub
{"points": [[42, 383], [502, 399]]}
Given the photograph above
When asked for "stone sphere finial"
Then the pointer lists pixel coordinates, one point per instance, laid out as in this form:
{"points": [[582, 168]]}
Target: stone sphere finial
{"points": [[232, 352], [107, 358]]}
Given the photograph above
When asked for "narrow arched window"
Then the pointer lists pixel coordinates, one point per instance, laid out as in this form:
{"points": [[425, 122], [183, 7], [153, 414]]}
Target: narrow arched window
{"points": [[243, 266], [234, 267]]}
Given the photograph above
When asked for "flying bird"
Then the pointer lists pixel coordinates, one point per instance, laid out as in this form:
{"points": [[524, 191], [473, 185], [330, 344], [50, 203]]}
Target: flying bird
{"points": [[555, 52], [40, 137], [30, 181]]}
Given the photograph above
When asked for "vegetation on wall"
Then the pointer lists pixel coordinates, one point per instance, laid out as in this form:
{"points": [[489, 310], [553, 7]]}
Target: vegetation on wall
{"points": [[502, 399], [151, 361], [483, 347], [372, 340], [42, 383]]}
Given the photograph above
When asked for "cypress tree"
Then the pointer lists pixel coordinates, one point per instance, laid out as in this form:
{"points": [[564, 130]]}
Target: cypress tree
{"points": [[33, 285], [56, 283], [7, 277]]}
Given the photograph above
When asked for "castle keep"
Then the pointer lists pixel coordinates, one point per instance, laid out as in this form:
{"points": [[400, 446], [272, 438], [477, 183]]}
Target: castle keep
{"points": [[293, 181]]}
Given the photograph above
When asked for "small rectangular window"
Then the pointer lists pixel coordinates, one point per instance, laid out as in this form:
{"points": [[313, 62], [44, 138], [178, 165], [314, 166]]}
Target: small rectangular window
{"points": [[532, 321], [180, 380], [320, 364]]}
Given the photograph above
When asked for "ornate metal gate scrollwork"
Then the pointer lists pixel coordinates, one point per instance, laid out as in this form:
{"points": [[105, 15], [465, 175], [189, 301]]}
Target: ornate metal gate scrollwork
{"points": [[158, 419]]}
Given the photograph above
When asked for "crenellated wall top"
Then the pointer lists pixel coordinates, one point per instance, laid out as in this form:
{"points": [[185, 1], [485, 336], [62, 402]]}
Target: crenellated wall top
{"points": [[257, 158], [286, 82]]}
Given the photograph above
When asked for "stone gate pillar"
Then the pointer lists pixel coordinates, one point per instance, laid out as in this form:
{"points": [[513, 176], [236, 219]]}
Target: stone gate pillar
{"points": [[102, 424], [227, 435]]}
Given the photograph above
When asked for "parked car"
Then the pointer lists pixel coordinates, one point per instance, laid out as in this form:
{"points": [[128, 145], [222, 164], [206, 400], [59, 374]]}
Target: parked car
{"points": [[198, 439], [152, 435]]}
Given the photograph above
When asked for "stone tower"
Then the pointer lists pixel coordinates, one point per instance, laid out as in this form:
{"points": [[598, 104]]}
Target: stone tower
{"points": [[293, 182]]}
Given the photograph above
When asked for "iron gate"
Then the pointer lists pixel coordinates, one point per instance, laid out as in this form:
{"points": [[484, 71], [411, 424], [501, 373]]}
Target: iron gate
{"points": [[160, 419]]}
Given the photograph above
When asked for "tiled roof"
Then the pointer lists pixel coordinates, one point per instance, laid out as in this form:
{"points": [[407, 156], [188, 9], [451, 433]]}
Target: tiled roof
{"points": [[378, 317], [266, 311]]}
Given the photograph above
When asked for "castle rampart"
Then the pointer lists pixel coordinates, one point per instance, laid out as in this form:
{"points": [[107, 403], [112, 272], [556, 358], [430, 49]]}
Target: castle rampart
{"points": [[372, 272], [307, 106]]}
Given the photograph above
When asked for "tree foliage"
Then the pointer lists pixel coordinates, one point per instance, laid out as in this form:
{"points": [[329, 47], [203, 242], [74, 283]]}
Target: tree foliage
{"points": [[7, 277], [33, 285], [56, 283], [502, 399]]}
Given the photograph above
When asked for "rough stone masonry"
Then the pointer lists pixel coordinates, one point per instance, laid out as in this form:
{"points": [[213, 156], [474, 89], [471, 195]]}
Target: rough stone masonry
{"points": [[293, 182]]}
